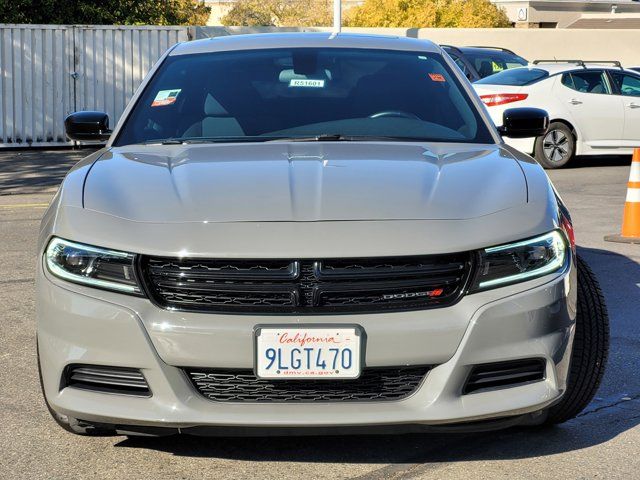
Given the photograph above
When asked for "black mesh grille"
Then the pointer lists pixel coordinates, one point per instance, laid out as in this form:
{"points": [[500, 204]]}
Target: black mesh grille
{"points": [[375, 384], [306, 286]]}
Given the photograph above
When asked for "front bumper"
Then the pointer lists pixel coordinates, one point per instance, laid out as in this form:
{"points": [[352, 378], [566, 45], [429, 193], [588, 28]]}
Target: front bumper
{"points": [[76, 324]]}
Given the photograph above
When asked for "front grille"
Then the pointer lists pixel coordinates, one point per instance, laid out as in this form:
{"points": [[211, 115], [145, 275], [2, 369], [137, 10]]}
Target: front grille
{"points": [[306, 286], [123, 381], [375, 384], [504, 374]]}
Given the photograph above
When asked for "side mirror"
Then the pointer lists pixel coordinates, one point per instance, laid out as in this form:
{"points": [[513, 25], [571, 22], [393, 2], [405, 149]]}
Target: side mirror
{"points": [[87, 126], [524, 122]]}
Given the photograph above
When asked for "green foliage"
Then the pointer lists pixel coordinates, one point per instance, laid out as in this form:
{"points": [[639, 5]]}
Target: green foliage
{"points": [[392, 13], [105, 12], [280, 13], [427, 14]]}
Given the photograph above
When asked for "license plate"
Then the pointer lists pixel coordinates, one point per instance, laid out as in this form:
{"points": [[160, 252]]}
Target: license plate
{"points": [[309, 352]]}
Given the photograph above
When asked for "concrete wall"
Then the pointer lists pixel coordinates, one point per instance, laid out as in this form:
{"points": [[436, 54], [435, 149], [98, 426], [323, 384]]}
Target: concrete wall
{"points": [[622, 45]]}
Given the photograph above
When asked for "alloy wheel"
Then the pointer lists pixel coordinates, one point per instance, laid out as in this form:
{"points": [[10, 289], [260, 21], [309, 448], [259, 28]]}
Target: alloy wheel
{"points": [[555, 146]]}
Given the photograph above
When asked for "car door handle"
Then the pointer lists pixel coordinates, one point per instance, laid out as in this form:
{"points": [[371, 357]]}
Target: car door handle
{"points": [[575, 101], [634, 105]]}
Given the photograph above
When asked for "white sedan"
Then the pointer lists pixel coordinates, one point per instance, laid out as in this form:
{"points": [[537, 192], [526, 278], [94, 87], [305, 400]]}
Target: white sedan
{"points": [[594, 108]]}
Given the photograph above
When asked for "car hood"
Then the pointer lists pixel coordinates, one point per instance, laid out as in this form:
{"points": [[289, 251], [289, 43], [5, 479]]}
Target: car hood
{"points": [[303, 182]]}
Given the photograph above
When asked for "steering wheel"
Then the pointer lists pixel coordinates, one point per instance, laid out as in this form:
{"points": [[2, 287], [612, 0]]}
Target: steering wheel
{"points": [[394, 113]]}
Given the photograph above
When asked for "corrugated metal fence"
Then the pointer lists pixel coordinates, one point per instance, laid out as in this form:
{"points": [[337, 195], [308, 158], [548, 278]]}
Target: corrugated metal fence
{"points": [[49, 71]]}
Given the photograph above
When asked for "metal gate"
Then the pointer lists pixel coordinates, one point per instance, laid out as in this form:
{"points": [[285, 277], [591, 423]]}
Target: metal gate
{"points": [[49, 71]]}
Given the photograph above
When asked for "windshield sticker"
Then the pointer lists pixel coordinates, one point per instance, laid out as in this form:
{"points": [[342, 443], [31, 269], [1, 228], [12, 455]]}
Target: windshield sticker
{"points": [[306, 82], [436, 77], [166, 97]]}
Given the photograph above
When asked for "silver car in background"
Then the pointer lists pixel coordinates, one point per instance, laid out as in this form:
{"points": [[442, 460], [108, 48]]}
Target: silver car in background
{"points": [[311, 233]]}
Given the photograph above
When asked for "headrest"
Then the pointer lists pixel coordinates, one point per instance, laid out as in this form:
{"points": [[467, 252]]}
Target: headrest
{"points": [[212, 107]]}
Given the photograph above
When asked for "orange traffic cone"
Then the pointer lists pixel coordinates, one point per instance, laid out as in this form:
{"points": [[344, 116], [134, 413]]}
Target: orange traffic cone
{"points": [[631, 216]]}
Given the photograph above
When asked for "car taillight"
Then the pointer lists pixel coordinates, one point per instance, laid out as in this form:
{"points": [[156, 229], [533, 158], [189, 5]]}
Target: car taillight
{"points": [[502, 98]]}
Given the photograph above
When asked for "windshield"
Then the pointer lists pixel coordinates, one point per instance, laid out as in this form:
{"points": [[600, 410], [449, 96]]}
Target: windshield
{"points": [[517, 77], [304, 93], [488, 62]]}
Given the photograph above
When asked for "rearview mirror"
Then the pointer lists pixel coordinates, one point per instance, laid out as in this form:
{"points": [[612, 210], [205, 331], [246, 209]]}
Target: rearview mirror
{"points": [[524, 122], [87, 126]]}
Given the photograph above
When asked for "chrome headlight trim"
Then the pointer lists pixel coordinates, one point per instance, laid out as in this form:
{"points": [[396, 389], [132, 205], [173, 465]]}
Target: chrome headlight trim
{"points": [[89, 268], [553, 245]]}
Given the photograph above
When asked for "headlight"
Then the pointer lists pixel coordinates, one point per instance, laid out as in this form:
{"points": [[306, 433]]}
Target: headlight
{"points": [[92, 266], [520, 261]]}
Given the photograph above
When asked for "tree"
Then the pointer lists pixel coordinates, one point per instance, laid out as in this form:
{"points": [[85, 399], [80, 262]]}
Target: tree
{"points": [[427, 14], [280, 13], [393, 13], [105, 12], [472, 14]]}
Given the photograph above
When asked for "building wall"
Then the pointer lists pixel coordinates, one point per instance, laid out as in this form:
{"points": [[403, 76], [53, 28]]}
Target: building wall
{"points": [[560, 13]]}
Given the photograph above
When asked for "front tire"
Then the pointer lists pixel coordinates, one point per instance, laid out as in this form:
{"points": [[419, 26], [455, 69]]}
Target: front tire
{"points": [[71, 424], [556, 148], [590, 348]]}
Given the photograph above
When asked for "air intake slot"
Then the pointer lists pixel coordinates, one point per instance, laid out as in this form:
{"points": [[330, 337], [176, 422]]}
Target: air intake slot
{"points": [[504, 374], [118, 380]]}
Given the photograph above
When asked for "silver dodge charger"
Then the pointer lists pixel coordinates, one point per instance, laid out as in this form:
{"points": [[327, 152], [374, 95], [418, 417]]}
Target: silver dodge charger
{"points": [[311, 233]]}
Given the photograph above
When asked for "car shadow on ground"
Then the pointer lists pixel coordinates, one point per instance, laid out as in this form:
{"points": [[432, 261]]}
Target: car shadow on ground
{"points": [[32, 170], [615, 409], [585, 161]]}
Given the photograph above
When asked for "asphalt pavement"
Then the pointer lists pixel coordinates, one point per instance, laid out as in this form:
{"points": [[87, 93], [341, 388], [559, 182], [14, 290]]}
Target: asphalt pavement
{"points": [[603, 442]]}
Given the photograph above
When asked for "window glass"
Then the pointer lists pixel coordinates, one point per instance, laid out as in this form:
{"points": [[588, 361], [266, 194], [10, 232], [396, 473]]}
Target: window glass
{"points": [[628, 85], [516, 77], [286, 93], [587, 81], [490, 62], [460, 63]]}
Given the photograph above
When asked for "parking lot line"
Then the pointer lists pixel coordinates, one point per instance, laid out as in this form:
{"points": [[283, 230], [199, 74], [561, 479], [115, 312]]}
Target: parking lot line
{"points": [[25, 205]]}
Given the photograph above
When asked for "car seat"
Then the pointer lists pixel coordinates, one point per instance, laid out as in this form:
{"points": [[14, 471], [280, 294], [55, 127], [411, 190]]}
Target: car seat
{"points": [[486, 68], [216, 122]]}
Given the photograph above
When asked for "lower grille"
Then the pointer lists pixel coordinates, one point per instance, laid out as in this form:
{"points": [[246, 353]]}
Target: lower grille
{"points": [[375, 384], [123, 381], [306, 286], [504, 374]]}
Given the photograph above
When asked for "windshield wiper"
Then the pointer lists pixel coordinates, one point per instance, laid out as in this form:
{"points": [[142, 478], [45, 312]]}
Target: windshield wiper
{"points": [[166, 141], [338, 137], [192, 140], [324, 137]]}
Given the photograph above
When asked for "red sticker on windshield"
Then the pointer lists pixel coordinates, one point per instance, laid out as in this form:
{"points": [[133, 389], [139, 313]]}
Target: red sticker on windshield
{"points": [[166, 97], [436, 77]]}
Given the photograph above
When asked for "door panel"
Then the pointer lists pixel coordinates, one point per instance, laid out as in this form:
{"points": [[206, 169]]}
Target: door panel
{"points": [[627, 88], [598, 115]]}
